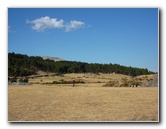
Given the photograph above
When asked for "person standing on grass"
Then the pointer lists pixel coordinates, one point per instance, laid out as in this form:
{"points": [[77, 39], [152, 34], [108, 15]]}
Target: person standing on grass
{"points": [[74, 82]]}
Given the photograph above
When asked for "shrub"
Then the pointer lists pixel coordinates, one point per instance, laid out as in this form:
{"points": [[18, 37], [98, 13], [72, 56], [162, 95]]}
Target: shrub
{"points": [[55, 82], [140, 79], [80, 81], [26, 79], [111, 84], [125, 84], [66, 82], [13, 79], [23, 79]]}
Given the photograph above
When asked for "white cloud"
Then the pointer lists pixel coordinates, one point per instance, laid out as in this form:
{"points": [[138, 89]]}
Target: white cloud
{"points": [[74, 25], [46, 22]]}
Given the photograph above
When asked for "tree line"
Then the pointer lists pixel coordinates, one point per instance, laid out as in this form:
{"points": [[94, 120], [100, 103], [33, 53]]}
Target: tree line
{"points": [[23, 65]]}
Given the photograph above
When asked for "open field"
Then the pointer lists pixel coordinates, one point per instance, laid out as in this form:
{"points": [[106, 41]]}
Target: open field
{"points": [[89, 78], [85, 102]]}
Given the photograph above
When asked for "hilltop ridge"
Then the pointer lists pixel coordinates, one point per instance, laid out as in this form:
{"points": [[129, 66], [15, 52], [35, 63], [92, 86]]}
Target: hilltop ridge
{"points": [[23, 65]]}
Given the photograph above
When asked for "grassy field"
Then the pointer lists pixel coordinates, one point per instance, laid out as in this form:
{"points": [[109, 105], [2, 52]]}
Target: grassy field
{"points": [[89, 78], [84, 102]]}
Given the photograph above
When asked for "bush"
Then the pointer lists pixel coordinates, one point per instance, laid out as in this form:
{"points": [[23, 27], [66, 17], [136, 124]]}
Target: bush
{"points": [[13, 79], [66, 82], [125, 84], [61, 75], [23, 79], [111, 84], [55, 82], [140, 79], [26, 79], [80, 81]]}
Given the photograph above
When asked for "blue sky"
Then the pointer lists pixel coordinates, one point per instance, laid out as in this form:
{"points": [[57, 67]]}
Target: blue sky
{"points": [[125, 36]]}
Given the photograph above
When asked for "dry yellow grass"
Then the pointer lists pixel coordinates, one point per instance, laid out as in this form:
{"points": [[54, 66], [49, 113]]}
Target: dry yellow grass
{"points": [[84, 102], [87, 78]]}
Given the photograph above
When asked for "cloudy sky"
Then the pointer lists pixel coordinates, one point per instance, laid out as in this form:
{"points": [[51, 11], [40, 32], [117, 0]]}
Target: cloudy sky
{"points": [[95, 35]]}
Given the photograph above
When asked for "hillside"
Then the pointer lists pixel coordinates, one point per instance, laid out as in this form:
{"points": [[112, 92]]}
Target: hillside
{"points": [[23, 65]]}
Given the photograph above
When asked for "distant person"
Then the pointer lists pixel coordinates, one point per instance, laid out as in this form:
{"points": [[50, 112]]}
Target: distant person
{"points": [[74, 82]]}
